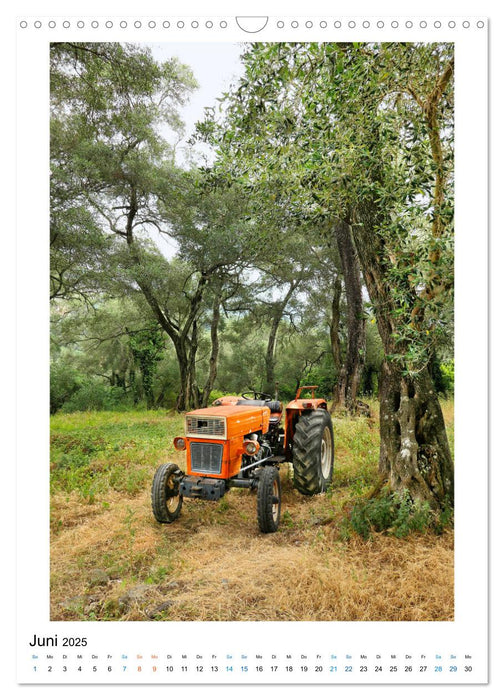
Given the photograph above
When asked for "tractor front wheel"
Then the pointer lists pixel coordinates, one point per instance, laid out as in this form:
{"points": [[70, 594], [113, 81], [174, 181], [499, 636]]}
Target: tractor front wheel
{"points": [[165, 497], [268, 499], [313, 452]]}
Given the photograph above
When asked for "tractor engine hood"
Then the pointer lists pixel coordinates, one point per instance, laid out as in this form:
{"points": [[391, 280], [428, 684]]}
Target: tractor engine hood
{"points": [[226, 422]]}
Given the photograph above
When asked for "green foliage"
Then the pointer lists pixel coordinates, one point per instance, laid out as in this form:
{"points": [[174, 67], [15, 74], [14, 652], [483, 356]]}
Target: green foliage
{"points": [[287, 520], [325, 132], [321, 376], [373, 360], [447, 371], [109, 159], [241, 365], [112, 354], [107, 102], [444, 519], [79, 252], [375, 513], [394, 514], [147, 346], [159, 574], [65, 381], [313, 134], [94, 395]]}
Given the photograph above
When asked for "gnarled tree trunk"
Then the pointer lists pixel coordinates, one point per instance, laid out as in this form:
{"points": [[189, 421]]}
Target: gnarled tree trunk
{"points": [[214, 354], [351, 370], [414, 450], [335, 340]]}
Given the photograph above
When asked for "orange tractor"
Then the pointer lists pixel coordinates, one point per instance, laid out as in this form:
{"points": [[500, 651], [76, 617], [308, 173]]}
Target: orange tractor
{"points": [[239, 441]]}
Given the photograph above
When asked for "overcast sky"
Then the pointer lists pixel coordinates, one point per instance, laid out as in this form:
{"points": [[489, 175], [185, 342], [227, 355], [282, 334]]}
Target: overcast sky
{"points": [[214, 66]]}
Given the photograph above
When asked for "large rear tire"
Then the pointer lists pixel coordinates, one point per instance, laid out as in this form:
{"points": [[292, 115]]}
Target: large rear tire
{"points": [[313, 452], [268, 499], [165, 497]]}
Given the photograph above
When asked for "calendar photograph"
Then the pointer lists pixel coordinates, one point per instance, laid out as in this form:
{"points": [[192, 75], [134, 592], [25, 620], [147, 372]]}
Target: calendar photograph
{"points": [[252, 290], [252, 368]]}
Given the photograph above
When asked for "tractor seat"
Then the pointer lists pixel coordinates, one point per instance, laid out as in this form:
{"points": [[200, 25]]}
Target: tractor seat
{"points": [[274, 406]]}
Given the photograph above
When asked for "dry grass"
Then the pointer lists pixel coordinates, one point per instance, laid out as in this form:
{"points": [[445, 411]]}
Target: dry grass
{"points": [[214, 565], [111, 560]]}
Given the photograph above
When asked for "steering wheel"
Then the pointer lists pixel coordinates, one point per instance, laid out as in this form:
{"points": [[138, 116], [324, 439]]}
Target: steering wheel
{"points": [[256, 395]]}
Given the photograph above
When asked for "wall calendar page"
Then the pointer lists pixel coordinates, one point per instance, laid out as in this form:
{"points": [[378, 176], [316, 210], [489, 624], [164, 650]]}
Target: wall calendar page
{"points": [[254, 254]]}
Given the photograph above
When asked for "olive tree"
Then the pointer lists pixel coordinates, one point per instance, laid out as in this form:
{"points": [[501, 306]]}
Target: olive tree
{"points": [[362, 135]]}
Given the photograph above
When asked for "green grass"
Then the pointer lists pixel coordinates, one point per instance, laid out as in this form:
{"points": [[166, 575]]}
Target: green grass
{"points": [[357, 450], [94, 452]]}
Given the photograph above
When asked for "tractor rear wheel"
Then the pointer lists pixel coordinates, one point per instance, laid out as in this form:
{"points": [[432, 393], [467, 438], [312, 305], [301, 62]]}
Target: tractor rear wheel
{"points": [[268, 499], [313, 452], [165, 497]]}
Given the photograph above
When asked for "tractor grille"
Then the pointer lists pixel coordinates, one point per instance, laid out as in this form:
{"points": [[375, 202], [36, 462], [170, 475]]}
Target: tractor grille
{"points": [[207, 426], [206, 457]]}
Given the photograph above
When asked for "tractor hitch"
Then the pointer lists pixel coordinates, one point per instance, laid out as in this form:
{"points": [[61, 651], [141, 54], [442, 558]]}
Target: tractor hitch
{"points": [[201, 487]]}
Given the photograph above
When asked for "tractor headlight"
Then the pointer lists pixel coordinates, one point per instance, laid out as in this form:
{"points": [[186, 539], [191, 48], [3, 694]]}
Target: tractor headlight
{"points": [[179, 443], [251, 447]]}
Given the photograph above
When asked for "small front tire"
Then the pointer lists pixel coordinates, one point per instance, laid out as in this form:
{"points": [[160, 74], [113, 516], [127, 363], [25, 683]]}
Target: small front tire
{"points": [[165, 497], [268, 499]]}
